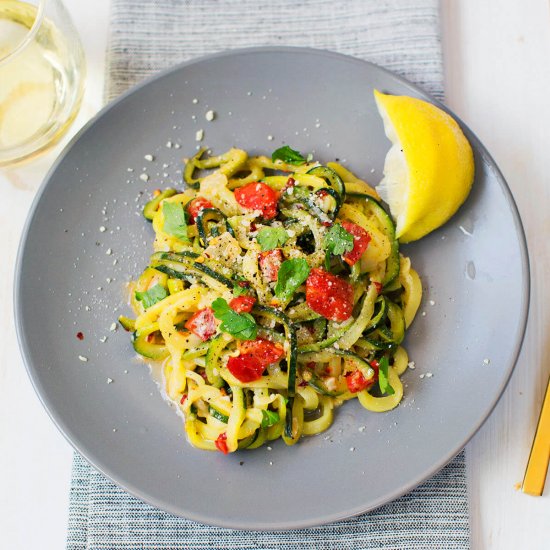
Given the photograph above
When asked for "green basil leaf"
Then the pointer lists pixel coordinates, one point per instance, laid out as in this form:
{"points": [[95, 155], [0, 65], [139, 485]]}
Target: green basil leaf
{"points": [[239, 290], [240, 325], [338, 241], [269, 418], [383, 380], [152, 296], [288, 155], [271, 237], [174, 220], [292, 274]]}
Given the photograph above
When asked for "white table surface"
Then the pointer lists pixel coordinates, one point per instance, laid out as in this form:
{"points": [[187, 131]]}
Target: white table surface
{"points": [[497, 59]]}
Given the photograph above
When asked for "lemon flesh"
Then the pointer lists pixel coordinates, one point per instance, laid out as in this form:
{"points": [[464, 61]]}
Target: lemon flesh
{"points": [[429, 169]]}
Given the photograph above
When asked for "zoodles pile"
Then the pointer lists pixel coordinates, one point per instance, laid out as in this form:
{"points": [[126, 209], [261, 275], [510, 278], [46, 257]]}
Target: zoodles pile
{"points": [[275, 293]]}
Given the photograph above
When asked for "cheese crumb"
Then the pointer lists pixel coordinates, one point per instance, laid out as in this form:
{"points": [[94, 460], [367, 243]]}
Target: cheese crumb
{"points": [[112, 328], [270, 138], [110, 380], [421, 376], [144, 177], [102, 229], [169, 144], [411, 365], [210, 115], [486, 361], [429, 375], [103, 339], [432, 303], [195, 101], [150, 158], [352, 449], [362, 428], [109, 251], [199, 135], [82, 358]]}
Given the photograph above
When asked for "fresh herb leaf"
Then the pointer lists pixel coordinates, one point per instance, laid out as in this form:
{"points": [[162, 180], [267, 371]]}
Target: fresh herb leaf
{"points": [[383, 380], [240, 325], [269, 418], [292, 274], [338, 241], [174, 220], [152, 296], [271, 237], [239, 290], [288, 155]]}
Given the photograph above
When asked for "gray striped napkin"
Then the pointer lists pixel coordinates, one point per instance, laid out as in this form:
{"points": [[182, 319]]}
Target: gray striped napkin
{"points": [[402, 35]]}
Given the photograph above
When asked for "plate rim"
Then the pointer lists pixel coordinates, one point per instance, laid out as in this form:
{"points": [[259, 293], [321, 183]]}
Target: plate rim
{"points": [[88, 454]]}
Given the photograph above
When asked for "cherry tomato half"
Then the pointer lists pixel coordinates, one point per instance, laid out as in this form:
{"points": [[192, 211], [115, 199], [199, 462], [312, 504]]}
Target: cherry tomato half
{"points": [[246, 367], [270, 262], [329, 295], [258, 196], [202, 323], [361, 241], [242, 304], [264, 350]]}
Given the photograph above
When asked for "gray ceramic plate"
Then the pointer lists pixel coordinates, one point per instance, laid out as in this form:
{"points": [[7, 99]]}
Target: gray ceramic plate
{"points": [[85, 237]]}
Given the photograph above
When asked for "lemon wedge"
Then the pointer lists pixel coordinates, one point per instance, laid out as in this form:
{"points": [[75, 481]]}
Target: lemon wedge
{"points": [[429, 169]]}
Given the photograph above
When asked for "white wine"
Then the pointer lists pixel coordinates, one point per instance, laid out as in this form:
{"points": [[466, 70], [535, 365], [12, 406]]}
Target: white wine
{"points": [[41, 81]]}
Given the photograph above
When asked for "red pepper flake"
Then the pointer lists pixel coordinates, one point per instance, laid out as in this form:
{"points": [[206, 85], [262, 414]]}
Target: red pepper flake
{"points": [[310, 365], [378, 286], [290, 182], [302, 384], [80, 336], [221, 443], [326, 224], [183, 398]]}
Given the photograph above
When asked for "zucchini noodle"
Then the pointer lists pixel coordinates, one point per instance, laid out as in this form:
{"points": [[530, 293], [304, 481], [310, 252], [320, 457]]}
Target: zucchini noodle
{"points": [[275, 293]]}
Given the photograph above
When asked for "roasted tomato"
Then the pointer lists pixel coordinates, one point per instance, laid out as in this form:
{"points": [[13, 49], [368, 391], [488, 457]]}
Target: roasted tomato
{"points": [[361, 241], [270, 262], [265, 351], [329, 295], [196, 205], [357, 382], [242, 304], [245, 367], [254, 358], [258, 196], [221, 443], [202, 323]]}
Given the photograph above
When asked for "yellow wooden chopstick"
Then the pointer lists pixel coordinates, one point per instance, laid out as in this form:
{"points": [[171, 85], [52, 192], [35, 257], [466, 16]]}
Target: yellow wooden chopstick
{"points": [[537, 467]]}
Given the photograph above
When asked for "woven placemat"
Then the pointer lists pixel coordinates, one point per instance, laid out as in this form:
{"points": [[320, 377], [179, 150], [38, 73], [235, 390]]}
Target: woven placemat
{"points": [[146, 36]]}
